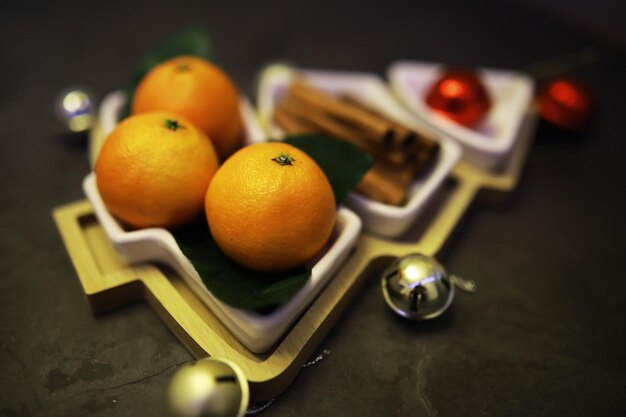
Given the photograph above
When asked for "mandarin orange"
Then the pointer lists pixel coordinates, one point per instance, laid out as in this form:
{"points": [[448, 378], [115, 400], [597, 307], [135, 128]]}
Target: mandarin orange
{"points": [[270, 207], [198, 91], [154, 170]]}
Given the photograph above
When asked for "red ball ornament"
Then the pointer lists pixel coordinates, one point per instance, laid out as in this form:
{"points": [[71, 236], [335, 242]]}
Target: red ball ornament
{"points": [[566, 103], [459, 95]]}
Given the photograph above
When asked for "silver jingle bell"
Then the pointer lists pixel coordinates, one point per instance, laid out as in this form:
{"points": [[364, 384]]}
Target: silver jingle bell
{"points": [[417, 287], [74, 108], [209, 388]]}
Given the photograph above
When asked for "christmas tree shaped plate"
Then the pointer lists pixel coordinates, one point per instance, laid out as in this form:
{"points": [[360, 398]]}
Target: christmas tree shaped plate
{"points": [[108, 281]]}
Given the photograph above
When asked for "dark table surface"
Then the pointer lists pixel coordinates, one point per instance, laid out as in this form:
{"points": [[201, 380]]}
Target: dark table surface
{"points": [[545, 334]]}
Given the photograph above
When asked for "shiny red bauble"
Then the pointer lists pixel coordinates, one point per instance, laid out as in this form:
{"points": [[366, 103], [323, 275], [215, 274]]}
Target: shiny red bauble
{"points": [[459, 95], [566, 103]]}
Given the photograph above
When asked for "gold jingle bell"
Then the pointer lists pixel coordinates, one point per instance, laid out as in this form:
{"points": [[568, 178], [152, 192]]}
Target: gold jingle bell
{"points": [[417, 287], [209, 388]]}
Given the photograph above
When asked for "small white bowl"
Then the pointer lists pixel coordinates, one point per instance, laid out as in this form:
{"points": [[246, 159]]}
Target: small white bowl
{"points": [[489, 144], [381, 219], [256, 332]]}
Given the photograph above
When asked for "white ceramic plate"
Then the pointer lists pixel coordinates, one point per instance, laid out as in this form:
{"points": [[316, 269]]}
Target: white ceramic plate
{"points": [[257, 332], [382, 219], [489, 144]]}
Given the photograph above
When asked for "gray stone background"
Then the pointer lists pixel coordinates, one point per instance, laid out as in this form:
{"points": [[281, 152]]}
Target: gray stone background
{"points": [[544, 335]]}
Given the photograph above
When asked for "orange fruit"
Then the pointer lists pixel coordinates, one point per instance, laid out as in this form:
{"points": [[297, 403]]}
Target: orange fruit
{"points": [[154, 170], [198, 91], [270, 207]]}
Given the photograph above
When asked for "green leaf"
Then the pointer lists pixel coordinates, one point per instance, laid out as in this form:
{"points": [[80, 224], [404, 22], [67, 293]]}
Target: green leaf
{"points": [[344, 164], [232, 283], [193, 41]]}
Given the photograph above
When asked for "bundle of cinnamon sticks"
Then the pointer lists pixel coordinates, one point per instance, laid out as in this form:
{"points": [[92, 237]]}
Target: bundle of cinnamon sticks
{"points": [[399, 153]]}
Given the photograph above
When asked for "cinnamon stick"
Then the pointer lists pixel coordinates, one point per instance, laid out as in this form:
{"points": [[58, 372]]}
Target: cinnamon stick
{"points": [[400, 175], [374, 126], [399, 153], [405, 137], [326, 124], [322, 122], [292, 125], [378, 187]]}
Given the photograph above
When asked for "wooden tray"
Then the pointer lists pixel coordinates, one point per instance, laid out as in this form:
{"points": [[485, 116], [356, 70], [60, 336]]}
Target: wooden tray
{"points": [[109, 283]]}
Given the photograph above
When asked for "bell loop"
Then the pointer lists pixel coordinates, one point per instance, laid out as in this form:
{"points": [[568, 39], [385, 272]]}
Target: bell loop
{"points": [[466, 285]]}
